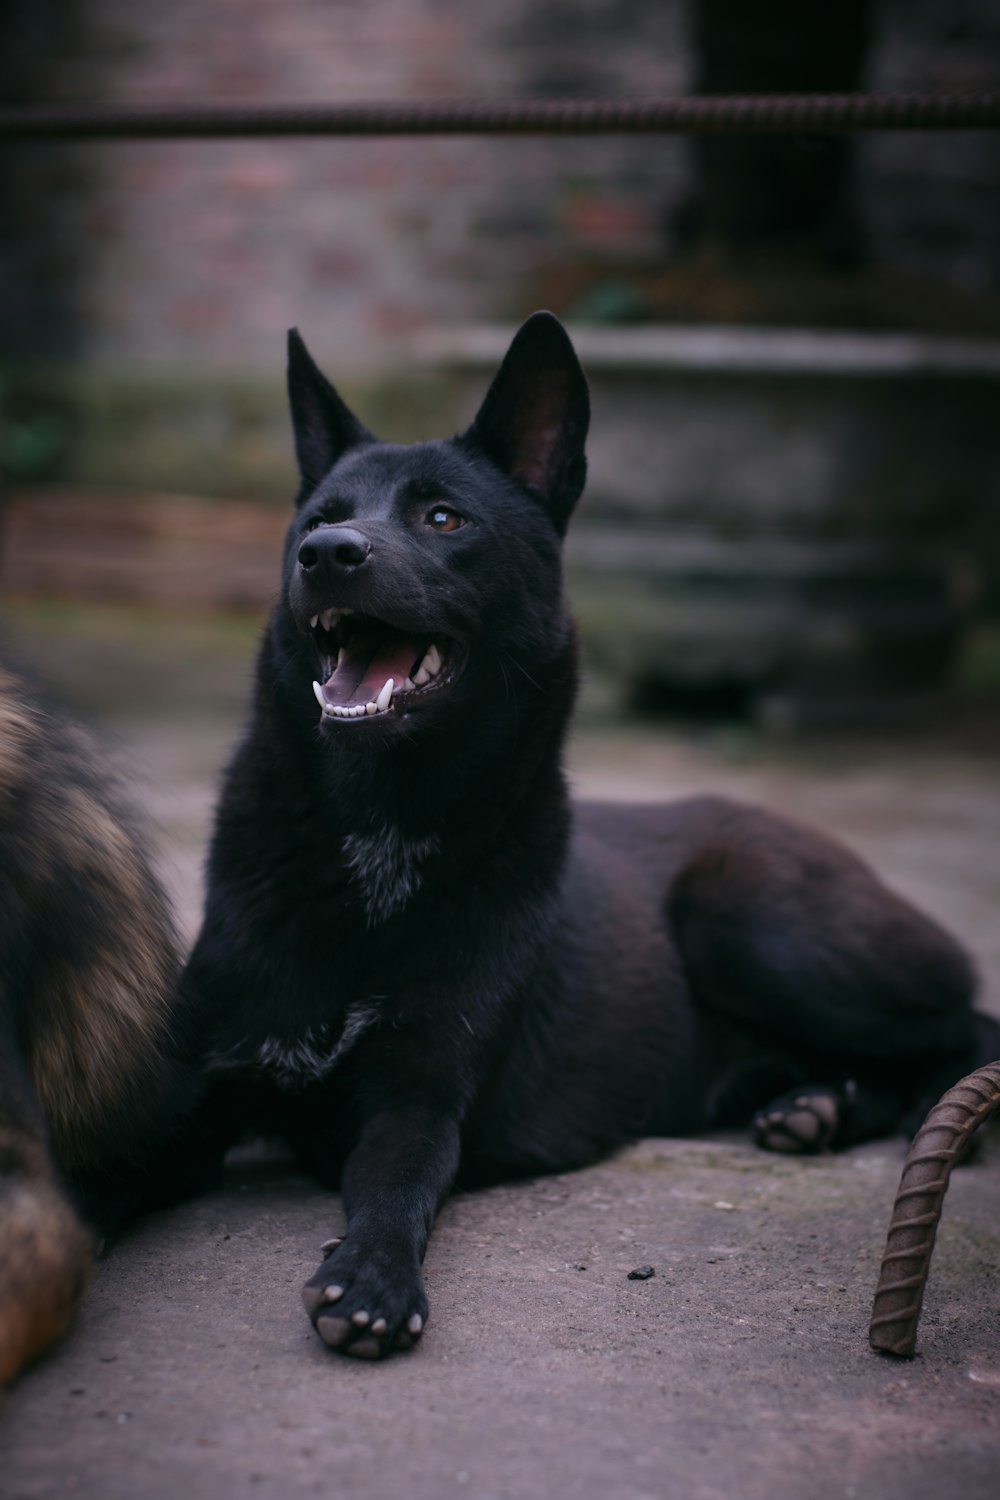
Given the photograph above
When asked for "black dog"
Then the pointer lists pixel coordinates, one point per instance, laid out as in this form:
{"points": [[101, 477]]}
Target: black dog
{"points": [[419, 964]]}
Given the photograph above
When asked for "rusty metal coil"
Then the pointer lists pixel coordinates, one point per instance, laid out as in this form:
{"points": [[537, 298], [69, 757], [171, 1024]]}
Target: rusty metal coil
{"points": [[755, 114], [937, 1146]]}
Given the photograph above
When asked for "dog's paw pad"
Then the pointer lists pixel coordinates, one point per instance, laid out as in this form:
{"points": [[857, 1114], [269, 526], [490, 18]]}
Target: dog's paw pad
{"points": [[361, 1306], [805, 1120], [366, 1349], [315, 1297], [333, 1331]]}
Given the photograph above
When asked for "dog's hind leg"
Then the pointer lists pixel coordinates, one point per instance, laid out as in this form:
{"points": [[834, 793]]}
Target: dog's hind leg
{"points": [[45, 1251], [815, 1116], [795, 942]]}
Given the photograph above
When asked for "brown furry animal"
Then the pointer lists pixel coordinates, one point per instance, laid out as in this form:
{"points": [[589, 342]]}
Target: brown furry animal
{"points": [[88, 965]]}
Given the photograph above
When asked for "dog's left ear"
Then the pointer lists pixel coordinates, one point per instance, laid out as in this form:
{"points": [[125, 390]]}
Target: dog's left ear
{"points": [[324, 427], [533, 422]]}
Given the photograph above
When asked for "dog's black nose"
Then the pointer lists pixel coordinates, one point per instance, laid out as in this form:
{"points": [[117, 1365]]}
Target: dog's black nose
{"points": [[339, 549]]}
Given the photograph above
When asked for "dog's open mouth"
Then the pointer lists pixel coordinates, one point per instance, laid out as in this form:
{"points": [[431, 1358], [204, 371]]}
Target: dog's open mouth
{"points": [[370, 668]]}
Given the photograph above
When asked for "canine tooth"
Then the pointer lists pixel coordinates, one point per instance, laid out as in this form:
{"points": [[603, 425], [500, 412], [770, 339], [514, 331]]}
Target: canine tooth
{"points": [[312, 622], [371, 708], [382, 701], [328, 617], [340, 655], [319, 695], [432, 661], [421, 675]]}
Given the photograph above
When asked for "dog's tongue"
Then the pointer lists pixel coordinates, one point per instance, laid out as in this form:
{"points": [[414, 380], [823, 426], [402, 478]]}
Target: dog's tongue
{"points": [[371, 658]]}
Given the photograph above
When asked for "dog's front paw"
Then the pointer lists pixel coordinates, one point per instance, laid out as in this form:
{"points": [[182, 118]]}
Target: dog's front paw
{"points": [[805, 1120], [366, 1302]]}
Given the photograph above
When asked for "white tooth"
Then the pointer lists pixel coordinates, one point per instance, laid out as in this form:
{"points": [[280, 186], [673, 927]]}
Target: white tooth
{"points": [[432, 661], [360, 709], [382, 701], [409, 685], [319, 695], [371, 708], [341, 711], [312, 622], [327, 618], [421, 675], [340, 656], [331, 709]]}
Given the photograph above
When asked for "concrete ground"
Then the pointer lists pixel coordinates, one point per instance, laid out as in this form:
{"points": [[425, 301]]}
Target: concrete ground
{"points": [[739, 1370]]}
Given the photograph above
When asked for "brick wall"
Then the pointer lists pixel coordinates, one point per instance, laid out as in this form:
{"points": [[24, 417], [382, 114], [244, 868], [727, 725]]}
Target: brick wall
{"points": [[181, 254]]}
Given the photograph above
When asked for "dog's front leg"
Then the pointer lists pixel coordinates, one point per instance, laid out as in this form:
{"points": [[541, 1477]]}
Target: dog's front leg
{"points": [[367, 1297]]}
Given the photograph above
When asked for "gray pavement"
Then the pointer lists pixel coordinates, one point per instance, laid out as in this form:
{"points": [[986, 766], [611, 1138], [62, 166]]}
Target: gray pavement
{"points": [[739, 1370]]}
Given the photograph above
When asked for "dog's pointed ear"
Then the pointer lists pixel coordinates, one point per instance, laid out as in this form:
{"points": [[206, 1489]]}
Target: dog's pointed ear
{"points": [[324, 427], [533, 422]]}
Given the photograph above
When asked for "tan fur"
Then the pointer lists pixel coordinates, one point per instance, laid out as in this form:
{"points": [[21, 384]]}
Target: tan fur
{"points": [[101, 1024], [92, 1025], [100, 1032], [45, 1259], [16, 733], [94, 1030]]}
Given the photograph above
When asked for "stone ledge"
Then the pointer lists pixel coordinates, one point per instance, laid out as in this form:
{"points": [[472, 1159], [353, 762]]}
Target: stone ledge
{"points": [[734, 350]]}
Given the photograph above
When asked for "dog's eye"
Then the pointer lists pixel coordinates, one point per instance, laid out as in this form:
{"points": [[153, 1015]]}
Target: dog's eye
{"points": [[443, 519]]}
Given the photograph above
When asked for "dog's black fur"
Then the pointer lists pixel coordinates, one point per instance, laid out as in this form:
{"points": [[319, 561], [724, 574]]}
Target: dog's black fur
{"points": [[419, 964]]}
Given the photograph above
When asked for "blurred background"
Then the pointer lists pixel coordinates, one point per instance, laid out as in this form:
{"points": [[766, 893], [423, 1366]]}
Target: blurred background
{"points": [[787, 565]]}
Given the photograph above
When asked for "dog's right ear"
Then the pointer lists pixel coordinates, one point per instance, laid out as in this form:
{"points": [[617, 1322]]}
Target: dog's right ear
{"points": [[324, 427]]}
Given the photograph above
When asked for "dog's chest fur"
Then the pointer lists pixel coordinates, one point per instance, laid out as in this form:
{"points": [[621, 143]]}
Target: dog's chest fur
{"points": [[291, 1061], [387, 867]]}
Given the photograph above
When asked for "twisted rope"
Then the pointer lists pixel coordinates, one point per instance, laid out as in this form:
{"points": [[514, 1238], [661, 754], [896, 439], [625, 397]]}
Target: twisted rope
{"points": [[760, 114], [916, 1213]]}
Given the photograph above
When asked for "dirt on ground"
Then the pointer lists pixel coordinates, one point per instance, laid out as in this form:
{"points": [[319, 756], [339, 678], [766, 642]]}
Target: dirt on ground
{"points": [[740, 1370]]}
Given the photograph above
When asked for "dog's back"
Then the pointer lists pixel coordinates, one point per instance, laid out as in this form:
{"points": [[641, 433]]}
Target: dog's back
{"points": [[87, 966]]}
